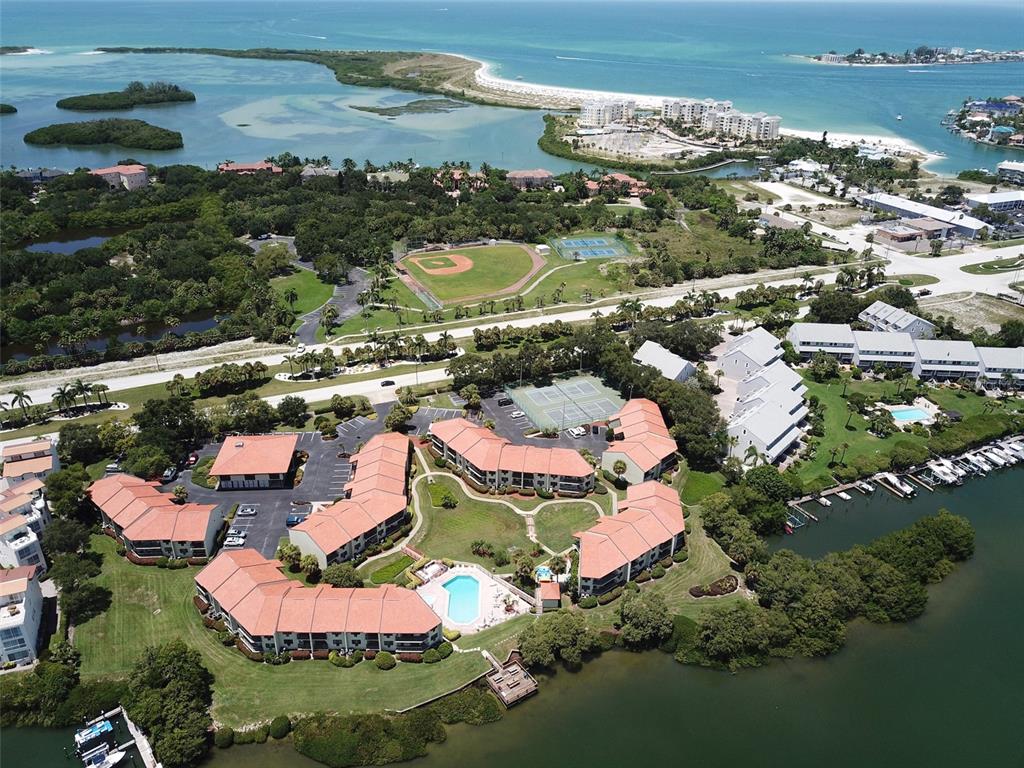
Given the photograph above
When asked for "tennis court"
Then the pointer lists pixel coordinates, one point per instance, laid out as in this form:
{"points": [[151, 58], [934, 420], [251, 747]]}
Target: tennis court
{"points": [[576, 248], [568, 403]]}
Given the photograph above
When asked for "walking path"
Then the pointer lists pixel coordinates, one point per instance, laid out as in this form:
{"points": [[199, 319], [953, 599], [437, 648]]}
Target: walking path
{"points": [[344, 298]]}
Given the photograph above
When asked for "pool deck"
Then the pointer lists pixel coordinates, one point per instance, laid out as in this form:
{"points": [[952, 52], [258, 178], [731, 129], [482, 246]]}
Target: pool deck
{"points": [[922, 404], [494, 595]]}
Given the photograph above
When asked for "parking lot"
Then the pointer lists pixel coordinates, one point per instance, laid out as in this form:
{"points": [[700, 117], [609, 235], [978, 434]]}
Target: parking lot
{"points": [[516, 428]]}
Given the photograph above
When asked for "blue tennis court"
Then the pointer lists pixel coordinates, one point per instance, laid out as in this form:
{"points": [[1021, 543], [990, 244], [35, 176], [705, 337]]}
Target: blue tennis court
{"points": [[577, 248]]}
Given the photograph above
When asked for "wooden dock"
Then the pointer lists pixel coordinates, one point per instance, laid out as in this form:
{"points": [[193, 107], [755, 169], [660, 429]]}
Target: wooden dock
{"points": [[510, 681], [920, 481]]}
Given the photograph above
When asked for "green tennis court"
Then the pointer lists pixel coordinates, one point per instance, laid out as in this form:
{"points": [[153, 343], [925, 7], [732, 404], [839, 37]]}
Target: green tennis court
{"points": [[567, 403]]}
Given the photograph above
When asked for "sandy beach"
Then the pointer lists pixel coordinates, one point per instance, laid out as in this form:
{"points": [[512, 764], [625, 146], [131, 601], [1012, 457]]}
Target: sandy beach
{"points": [[559, 97]]}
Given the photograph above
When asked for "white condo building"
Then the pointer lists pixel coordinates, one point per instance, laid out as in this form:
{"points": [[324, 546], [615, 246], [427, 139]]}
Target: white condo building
{"points": [[21, 611], [669, 364], [885, 317], [597, 114]]}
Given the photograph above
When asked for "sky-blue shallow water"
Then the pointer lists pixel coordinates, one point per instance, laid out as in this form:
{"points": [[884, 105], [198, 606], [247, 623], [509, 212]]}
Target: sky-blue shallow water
{"points": [[736, 50]]}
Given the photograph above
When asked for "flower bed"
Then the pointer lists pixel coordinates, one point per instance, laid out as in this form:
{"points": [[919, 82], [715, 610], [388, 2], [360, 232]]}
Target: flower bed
{"points": [[723, 586]]}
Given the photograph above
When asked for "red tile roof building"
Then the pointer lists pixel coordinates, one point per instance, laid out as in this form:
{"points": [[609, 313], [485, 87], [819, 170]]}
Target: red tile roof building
{"points": [[247, 169], [492, 461], [271, 613], [150, 523], [374, 507], [254, 461], [125, 176], [26, 461], [642, 441], [538, 177], [623, 182], [648, 527]]}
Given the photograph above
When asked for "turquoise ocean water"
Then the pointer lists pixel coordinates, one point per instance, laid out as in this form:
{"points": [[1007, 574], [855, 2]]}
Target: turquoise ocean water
{"points": [[736, 50]]}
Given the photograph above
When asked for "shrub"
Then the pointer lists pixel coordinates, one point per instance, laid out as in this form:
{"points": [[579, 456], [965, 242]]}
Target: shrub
{"points": [[527, 492], [665, 562], [600, 489], [161, 562], [384, 660], [445, 649], [473, 705], [544, 493], [356, 656], [501, 558], [280, 727], [658, 571], [260, 735], [642, 577], [451, 634], [431, 656], [607, 597], [607, 639], [411, 658], [223, 738], [440, 462], [121, 550], [588, 602]]}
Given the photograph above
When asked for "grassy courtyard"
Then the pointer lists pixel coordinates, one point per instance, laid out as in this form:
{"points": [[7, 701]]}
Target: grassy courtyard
{"points": [[556, 523], [450, 532], [312, 291], [154, 605], [995, 266], [493, 268]]}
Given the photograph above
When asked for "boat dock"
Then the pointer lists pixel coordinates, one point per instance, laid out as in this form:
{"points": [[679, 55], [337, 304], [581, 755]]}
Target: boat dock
{"points": [[136, 746], [510, 681]]}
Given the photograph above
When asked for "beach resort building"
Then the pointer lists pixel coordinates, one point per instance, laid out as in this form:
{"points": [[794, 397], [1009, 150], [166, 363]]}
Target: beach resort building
{"points": [[946, 360], [770, 429], [123, 176], [832, 338], [21, 612], [597, 114], [648, 528], [894, 349], [248, 169], [1011, 172], [537, 178], [885, 317], [754, 350], [959, 221], [999, 363], [996, 201], [491, 461], [641, 441], [255, 461], [26, 461], [729, 122], [23, 516], [270, 613], [150, 523], [374, 508], [691, 110], [669, 364]]}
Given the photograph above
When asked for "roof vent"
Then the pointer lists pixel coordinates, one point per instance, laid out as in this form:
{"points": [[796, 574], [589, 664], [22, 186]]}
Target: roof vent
{"points": [[239, 444]]}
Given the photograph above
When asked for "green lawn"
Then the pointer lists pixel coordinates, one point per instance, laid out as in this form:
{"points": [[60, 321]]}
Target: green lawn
{"points": [[201, 472], [556, 523], [579, 277], [153, 605], [995, 266], [449, 532], [701, 484], [495, 267], [912, 280], [387, 573], [1004, 243], [312, 291]]}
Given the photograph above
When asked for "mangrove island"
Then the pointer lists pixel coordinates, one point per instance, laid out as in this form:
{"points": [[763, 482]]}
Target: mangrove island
{"points": [[133, 134], [135, 94]]}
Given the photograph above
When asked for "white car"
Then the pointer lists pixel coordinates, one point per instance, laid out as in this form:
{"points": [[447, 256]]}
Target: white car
{"points": [[301, 348], [517, 414], [234, 541], [577, 432], [237, 533], [246, 512]]}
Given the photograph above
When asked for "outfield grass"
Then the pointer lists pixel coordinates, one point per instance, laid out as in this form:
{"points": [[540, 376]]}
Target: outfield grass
{"points": [[154, 605], [449, 532], [495, 267], [556, 523], [313, 292], [701, 484]]}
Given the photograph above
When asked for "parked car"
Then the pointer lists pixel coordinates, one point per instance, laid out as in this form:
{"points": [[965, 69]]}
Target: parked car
{"points": [[264, 236], [193, 458], [301, 348], [924, 292], [504, 401], [169, 474], [112, 469], [234, 541], [237, 533], [294, 520], [517, 414], [246, 512], [387, 383], [577, 432]]}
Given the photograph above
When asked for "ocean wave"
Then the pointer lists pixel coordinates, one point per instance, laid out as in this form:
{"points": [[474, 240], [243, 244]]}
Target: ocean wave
{"points": [[91, 53], [31, 52]]}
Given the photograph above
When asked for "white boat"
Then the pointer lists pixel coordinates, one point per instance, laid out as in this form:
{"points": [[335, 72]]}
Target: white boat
{"points": [[867, 487], [102, 757], [1008, 456], [1016, 448], [899, 117], [824, 502], [952, 468], [995, 458], [942, 473], [983, 466], [843, 495]]}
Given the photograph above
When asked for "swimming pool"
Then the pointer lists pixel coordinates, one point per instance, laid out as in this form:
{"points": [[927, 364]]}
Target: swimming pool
{"points": [[910, 414], [463, 599]]}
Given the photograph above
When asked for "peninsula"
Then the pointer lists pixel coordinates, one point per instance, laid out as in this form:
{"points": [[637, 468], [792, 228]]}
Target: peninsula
{"points": [[135, 94], [997, 121], [7, 109], [922, 55], [132, 134]]}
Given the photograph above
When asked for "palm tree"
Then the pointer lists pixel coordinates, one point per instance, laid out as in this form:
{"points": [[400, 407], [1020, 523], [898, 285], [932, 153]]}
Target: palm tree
{"points": [[719, 373], [176, 384], [327, 317], [631, 308], [83, 389], [291, 296], [751, 453], [290, 359], [22, 399], [63, 398], [845, 447], [100, 391]]}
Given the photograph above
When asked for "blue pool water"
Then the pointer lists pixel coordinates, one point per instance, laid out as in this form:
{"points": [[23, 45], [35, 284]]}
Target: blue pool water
{"points": [[909, 414], [543, 572], [463, 599]]}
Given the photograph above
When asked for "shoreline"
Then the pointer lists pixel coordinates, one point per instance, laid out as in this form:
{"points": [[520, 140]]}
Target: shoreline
{"points": [[813, 60], [565, 97]]}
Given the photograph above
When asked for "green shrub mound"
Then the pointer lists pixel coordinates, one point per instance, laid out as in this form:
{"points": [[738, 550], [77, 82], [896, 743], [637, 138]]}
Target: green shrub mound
{"points": [[445, 649], [133, 134], [384, 660], [223, 738], [431, 656], [340, 741], [473, 705], [280, 727], [588, 602]]}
